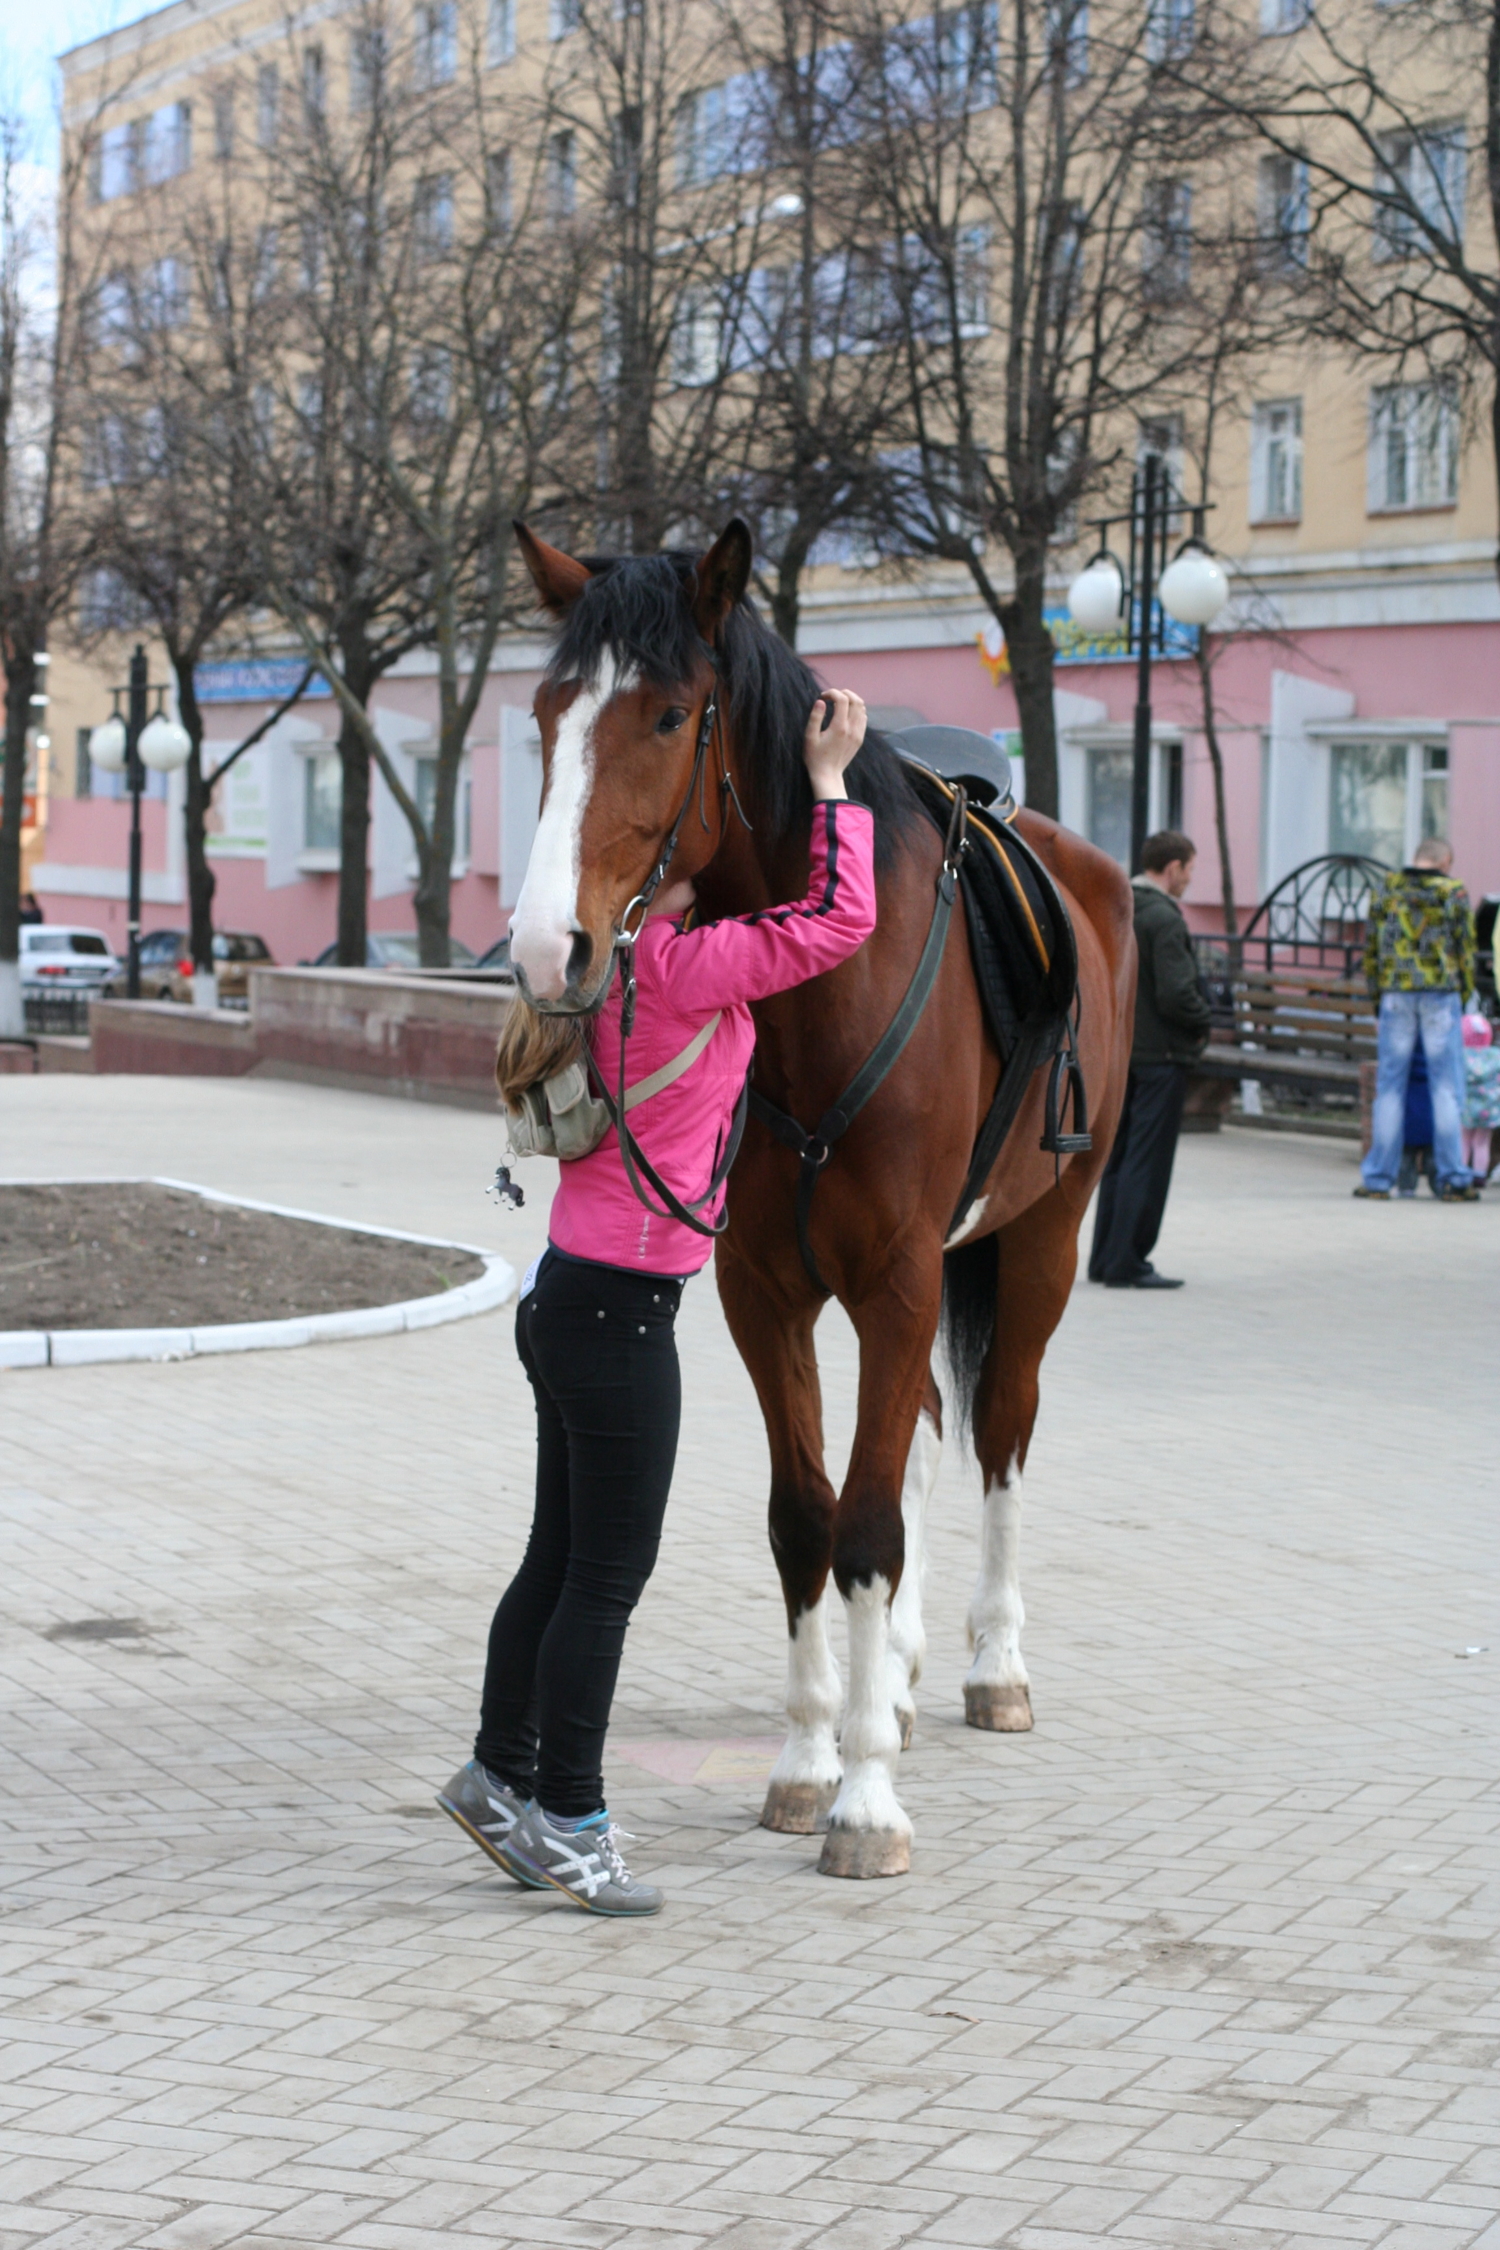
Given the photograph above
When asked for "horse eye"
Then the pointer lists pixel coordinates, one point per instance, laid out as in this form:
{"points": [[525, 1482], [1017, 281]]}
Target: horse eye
{"points": [[671, 720]]}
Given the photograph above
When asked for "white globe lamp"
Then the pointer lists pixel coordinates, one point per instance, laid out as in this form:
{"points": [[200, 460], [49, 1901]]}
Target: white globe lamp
{"points": [[107, 746], [1096, 598], [1194, 587], [165, 745]]}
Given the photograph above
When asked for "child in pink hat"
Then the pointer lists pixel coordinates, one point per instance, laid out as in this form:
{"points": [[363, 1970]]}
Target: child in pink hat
{"points": [[1481, 1093]]}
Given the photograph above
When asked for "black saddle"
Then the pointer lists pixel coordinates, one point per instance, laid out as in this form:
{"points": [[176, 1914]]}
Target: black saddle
{"points": [[960, 754]]}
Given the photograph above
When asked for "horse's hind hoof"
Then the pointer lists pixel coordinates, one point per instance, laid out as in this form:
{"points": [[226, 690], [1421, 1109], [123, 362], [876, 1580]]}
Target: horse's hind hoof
{"points": [[798, 1808], [863, 1852], [999, 1710]]}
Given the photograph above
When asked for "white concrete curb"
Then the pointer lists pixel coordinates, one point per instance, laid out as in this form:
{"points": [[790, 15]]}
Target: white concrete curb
{"points": [[83, 1347]]}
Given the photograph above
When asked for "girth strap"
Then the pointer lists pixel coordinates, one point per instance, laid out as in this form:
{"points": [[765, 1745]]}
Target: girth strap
{"points": [[814, 1149]]}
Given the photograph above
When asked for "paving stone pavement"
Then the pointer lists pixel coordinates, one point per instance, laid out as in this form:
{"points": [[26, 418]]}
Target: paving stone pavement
{"points": [[1207, 1962]]}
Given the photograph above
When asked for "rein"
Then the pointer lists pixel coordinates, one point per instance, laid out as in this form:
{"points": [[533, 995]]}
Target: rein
{"points": [[815, 1148]]}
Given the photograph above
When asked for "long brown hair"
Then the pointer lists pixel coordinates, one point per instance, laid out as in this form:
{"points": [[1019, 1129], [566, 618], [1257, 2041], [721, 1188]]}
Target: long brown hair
{"points": [[533, 1047]]}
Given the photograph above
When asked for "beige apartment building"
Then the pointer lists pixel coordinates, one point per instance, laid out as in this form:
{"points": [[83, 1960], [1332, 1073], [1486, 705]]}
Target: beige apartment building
{"points": [[1358, 692]]}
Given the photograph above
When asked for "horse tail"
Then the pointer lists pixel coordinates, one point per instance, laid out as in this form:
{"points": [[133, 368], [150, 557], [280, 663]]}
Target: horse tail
{"points": [[971, 1281]]}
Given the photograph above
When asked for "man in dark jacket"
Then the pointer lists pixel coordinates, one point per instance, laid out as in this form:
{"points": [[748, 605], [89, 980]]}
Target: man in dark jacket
{"points": [[1171, 1030]]}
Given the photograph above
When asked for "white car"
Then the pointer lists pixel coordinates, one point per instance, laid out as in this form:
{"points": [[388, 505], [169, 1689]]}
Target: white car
{"points": [[57, 959]]}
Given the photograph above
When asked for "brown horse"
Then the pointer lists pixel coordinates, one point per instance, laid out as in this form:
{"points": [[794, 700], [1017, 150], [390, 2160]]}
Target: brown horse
{"points": [[645, 644]]}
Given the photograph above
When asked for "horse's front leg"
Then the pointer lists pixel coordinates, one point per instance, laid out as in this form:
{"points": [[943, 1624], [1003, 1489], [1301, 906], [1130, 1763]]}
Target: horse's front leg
{"points": [[908, 1636], [776, 1344], [868, 1832]]}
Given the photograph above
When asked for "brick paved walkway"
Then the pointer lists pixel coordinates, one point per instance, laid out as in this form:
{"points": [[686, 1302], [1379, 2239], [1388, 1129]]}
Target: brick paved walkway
{"points": [[1207, 1963]]}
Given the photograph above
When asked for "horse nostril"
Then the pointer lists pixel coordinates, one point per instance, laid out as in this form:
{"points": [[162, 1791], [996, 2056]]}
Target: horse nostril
{"points": [[580, 957]]}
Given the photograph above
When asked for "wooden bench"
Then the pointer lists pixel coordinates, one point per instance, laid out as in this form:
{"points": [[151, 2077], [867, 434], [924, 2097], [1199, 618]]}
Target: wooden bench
{"points": [[1290, 1027]]}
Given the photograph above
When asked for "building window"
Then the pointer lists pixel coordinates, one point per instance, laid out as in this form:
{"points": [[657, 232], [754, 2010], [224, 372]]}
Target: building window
{"points": [[1419, 184], [437, 42], [1283, 215], [369, 59], [322, 801], [114, 163], [1413, 447], [224, 124], [1284, 15], [1161, 435], [700, 136], [314, 84], [563, 16], [498, 190], [1067, 27], [267, 105], [1110, 773], [562, 176], [1276, 461], [432, 214], [1384, 797], [83, 764], [695, 338], [500, 38], [1167, 240], [1169, 29]]}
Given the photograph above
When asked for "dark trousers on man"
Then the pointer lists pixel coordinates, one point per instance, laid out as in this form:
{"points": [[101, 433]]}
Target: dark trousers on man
{"points": [[1133, 1191]]}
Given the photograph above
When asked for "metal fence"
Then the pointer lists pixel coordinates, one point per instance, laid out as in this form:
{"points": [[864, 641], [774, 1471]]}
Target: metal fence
{"points": [[60, 1012]]}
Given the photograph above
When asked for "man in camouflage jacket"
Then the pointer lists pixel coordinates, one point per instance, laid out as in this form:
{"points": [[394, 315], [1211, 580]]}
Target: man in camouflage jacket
{"points": [[1419, 963]]}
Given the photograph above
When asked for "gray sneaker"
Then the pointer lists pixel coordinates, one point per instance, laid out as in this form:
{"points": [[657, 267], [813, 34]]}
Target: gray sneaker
{"points": [[585, 1864], [486, 1810]]}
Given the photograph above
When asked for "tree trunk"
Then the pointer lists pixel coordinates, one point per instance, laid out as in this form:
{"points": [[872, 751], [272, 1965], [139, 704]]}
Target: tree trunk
{"points": [[20, 682], [433, 896], [201, 881], [354, 811], [1029, 645], [1216, 760], [786, 595]]}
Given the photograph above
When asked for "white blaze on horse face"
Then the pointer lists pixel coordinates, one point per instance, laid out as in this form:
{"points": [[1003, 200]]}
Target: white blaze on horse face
{"points": [[871, 1743], [545, 922], [996, 1614], [908, 1635]]}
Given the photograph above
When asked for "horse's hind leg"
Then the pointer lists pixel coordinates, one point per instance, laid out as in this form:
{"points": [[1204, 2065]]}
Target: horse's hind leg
{"points": [[777, 1348], [908, 1637], [1038, 1256]]}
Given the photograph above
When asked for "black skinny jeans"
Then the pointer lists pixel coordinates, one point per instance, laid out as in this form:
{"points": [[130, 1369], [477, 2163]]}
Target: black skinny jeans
{"points": [[598, 1347]]}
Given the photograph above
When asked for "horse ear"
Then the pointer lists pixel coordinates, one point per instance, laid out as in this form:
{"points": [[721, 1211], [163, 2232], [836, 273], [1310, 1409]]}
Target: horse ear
{"points": [[723, 575], [558, 579]]}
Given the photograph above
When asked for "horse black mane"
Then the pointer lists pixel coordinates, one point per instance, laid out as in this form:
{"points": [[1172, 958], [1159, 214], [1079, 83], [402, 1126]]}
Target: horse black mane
{"points": [[638, 609]]}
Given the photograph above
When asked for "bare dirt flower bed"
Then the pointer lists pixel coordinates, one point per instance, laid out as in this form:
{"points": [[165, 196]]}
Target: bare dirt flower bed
{"points": [[137, 1256]]}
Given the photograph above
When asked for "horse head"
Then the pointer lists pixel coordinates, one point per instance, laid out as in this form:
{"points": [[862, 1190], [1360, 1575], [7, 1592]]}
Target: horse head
{"points": [[621, 710]]}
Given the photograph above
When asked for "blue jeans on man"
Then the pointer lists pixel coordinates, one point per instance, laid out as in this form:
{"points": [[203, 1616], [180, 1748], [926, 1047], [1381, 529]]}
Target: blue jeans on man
{"points": [[1435, 1018]]}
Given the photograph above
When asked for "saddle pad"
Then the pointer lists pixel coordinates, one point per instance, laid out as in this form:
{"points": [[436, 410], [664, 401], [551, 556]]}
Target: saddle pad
{"points": [[1020, 934]]}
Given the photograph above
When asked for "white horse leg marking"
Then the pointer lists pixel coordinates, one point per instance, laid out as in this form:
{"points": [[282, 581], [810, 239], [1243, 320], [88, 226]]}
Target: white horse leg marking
{"points": [[908, 1636], [545, 921], [806, 1776], [997, 1691], [868, 1833], [962, 1232]]}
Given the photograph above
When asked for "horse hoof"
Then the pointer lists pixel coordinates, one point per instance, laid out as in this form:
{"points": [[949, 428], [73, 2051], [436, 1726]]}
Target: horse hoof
{"points": [[999, 1710], [862, 1852], [798, 1808], [907, 1722]]}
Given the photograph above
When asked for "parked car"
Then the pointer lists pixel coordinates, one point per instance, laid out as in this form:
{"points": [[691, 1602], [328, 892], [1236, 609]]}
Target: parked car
{"points": [[161, 951], [235, 952], [59, 959], [395, 949]]}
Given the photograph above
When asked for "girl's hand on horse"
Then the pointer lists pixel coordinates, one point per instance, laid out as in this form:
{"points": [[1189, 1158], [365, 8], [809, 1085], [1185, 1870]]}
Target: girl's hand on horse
{"points": [[831, 741]]}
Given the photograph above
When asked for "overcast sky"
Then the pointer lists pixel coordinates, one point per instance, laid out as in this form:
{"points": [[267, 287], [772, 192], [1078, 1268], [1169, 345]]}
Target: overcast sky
{"points": [[32, 32]]}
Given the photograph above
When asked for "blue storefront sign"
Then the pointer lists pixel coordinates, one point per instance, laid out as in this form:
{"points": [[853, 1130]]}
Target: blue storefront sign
{"points": [[1076, 646], [259, 679]]}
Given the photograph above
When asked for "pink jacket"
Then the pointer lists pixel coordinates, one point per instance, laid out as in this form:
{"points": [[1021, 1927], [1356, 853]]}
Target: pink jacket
{"points": [[683, 977]]}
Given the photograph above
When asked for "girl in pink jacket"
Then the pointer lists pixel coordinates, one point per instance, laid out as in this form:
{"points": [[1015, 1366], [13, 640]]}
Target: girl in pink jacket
{"points": [[594, 1330]]}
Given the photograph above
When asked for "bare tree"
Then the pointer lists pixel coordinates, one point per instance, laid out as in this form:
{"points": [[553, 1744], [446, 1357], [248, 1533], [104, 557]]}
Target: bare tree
{"points": [[46, 279], [1380, 176], [1051, 200]]}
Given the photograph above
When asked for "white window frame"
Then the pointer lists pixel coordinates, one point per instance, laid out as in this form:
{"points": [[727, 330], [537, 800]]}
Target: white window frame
{"points": [[1407, 404], [563, 17], [500, 33], [424, 755], [1264, 434], [1279, 17], [1422, 740], [1283, 245], [1430, 166], [314, 859]]}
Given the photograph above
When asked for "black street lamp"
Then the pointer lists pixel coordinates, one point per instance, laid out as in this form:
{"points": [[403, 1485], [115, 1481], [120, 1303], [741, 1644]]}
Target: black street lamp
{"points": [[129, 743], [1136, 600]]}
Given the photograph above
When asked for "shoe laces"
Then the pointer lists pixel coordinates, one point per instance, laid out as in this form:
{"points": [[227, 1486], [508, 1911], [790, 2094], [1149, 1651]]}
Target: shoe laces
{"points": [[610, 1840]]}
